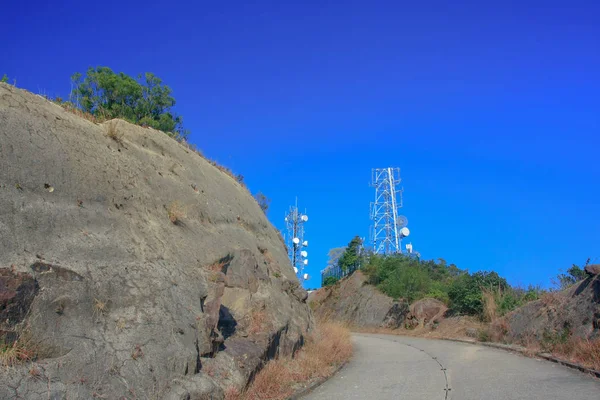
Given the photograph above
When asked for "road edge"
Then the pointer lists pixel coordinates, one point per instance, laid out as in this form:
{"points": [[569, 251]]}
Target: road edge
{"points": [[306, 390], [522, 350]]}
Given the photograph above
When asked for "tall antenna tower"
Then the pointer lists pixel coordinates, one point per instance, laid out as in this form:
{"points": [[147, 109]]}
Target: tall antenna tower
{"points": [[295, 242], [388, 227]]}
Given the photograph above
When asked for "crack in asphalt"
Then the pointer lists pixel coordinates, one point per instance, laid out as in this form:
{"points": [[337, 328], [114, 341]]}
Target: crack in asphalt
{"points": [[447, 388]]}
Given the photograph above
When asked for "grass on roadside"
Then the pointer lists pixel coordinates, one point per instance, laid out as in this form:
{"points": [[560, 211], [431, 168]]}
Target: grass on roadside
{"points": [[581, 351], [327, 347]]}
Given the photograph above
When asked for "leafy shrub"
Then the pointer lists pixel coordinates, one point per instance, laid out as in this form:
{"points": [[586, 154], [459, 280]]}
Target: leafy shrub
{"points": [[466, 292], [439, 291], [330, 281], [410, 283]]}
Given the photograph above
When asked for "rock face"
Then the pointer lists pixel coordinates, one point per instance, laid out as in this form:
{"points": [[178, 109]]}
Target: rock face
{"points": [[132, 268], [425, 312], [574, 311], [593, 269], [354, 301]]}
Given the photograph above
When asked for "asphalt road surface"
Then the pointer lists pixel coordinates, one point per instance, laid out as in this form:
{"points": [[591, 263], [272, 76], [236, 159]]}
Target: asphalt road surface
{"points": [[397, 367]]}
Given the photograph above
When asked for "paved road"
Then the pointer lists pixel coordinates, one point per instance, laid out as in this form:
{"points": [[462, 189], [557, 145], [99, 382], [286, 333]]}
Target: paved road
{"points": [[396, 367]]}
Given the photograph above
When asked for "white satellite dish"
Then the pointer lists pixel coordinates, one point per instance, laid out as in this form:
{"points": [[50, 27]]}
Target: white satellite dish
{"points": [[285, 219], [304, 218], [295, 270], [303, 253], [305, 243], [305, 262], [404, 232], [296, 240], [305, 276]]}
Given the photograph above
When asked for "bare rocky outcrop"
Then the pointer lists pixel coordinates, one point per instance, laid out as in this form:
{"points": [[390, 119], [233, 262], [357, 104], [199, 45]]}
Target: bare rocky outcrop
{"points": [[592, 270], [425, 312], [114, 296], [574, 311], [354, 301]]}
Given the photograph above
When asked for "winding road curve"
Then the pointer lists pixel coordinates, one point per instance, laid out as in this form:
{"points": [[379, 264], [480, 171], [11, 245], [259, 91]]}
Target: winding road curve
{"points": [[396, 367]]}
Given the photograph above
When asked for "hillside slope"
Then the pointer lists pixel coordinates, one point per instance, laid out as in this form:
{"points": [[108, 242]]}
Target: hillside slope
{"points": [[131, 268], [360, 305], [574, 311]]}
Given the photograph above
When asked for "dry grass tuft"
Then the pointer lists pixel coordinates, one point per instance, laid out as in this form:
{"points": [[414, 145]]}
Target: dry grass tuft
{"points": [[175, 212], [489, 304], [238, 178], [326, 348], [69, 107], [531, 344], [553, 299], [259, 322], [582, 351], [447, 328], [100, 307], [113, 133], [498, 329], [121, 324], [15, 353]]}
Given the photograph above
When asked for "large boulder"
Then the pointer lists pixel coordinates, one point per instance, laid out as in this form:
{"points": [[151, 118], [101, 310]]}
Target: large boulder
{"points": [[425, 312], [357, 303], [592, 270], [130, 267]]}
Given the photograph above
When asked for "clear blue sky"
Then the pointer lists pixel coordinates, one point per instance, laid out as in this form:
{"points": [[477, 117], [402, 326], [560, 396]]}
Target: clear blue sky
{"points": [[491, 109]]}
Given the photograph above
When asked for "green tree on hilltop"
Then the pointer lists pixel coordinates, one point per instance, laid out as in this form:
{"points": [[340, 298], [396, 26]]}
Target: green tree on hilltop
{"points": [[350, 260], [144, 101]]}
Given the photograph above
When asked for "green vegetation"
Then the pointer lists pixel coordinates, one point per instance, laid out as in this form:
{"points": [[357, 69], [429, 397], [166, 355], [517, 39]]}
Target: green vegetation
{"points": [[330, 281], [350, 260], [144, 101], [4, 79], [401, 276], [466, 292], [573, 275]]}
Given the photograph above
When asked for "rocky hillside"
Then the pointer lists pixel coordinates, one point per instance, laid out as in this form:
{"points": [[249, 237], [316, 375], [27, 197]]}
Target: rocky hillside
{"points": [[352, 300], [130, 267], [555, 318], [557, 315]]}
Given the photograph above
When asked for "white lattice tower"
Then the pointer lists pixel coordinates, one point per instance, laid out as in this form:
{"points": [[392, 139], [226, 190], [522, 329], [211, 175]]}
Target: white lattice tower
{"points": [[385, 234]]}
